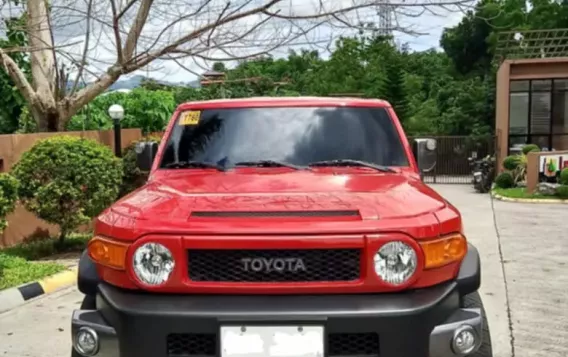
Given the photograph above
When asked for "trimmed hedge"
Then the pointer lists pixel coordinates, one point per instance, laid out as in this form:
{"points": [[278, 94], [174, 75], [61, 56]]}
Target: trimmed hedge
{"points": [[564, 177], [68, 180], [530, 148], [8, 197], [505, 180], [512, 162], [562, 191]]}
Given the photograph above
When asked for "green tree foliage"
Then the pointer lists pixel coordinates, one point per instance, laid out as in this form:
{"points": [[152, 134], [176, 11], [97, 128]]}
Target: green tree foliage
{"points": [[68, 180], [447, 93], [149, 110], [8, 197], [11, 101]]}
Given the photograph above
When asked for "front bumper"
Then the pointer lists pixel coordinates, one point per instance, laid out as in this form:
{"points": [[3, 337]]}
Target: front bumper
{"points": [[418, 324]]}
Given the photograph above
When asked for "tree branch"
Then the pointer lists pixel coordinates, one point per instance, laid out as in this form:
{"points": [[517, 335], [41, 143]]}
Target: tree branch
{"points": [[18, 77], [116, 29], [149, 57], [85, 49], [136, 29]]}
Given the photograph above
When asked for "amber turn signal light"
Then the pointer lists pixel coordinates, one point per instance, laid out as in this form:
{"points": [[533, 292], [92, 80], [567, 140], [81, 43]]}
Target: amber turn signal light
{"points": [[108, 252], [444, 251]]}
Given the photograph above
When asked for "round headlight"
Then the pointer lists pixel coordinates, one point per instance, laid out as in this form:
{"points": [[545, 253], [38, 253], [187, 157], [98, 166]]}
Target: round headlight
{"points": [[153, 263], [395, 262]]}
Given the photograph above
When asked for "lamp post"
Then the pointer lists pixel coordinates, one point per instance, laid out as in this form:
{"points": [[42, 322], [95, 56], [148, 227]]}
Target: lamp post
{"points": [[116, 112]]}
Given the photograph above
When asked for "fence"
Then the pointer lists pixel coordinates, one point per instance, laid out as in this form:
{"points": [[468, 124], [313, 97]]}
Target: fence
{"points": [[22, 223], [452, 164]]}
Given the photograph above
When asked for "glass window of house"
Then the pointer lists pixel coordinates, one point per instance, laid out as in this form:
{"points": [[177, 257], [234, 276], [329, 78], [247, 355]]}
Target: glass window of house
{"points": [[540, 113], [518, 113], [519, 86], [560, 109], [560, 84], [541, 85]]}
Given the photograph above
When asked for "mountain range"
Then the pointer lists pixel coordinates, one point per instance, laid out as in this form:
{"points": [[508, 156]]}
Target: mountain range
{"points": [[136, 81]]}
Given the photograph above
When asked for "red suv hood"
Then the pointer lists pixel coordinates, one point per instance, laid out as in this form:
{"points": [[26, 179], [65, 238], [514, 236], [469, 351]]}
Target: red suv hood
{"points": [[174, 196]]}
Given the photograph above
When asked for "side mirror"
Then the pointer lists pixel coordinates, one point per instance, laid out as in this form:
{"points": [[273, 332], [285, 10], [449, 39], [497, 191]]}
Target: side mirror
{"points": [[424, 150], [145, 153]]}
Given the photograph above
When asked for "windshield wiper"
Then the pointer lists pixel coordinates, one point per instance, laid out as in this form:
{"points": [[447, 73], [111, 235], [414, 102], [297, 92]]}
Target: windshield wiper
{"points": [[270, 163], [193, 164], [350, 162]]}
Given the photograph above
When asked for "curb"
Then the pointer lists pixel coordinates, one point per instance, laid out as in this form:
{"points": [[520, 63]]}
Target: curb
{"points": [[529, 200], [16, 296]]}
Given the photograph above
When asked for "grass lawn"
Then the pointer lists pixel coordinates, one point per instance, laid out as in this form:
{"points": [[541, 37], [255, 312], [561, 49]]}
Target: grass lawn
{"points": [[19, 264], [15, 271], [520, 192]]}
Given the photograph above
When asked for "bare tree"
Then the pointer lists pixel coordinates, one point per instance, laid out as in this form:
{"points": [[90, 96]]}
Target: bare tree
{"points": [[105, 39]]}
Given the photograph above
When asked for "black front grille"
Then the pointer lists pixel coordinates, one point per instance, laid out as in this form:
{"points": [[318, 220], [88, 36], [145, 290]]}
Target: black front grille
{"points": [[286, 265], [339, 344], [353, 344], [192, 344]]}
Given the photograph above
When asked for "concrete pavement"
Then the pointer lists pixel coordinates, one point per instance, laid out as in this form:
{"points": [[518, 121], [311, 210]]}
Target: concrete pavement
{"points": [[530, 245], [535, 254]]}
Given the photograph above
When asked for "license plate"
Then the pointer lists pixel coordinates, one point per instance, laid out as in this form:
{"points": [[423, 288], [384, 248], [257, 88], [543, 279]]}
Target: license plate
{"points": [[271, 341], [477, 174]]}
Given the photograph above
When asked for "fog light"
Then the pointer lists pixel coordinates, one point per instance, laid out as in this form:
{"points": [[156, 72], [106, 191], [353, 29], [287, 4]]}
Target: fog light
{"points": [[86, 341], [465, 340]]}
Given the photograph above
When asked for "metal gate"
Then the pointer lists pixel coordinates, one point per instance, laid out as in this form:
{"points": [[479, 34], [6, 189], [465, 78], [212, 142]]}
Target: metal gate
{"points": [[452, 164]]}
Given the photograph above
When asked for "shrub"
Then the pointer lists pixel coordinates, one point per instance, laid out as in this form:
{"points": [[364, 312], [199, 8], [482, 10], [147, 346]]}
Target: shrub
{"points": [[133, 177], [512, 162], [8, 197], [505, 180], [562, 191], [564, 176], [68, 180], [530, 148]]}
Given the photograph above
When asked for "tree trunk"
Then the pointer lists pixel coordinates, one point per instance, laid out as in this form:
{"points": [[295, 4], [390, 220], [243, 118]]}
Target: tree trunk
{"points": [[43, 66]]}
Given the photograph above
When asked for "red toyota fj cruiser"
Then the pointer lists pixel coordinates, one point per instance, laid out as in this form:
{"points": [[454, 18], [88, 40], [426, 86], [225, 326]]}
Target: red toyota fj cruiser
{"points": [[285, 227]]}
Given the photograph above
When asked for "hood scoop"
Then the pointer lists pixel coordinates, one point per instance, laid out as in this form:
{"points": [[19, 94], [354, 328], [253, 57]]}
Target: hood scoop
{"points": [[276, 214]]}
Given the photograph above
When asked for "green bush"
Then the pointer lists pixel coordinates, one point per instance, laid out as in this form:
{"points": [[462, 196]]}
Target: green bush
{"points": [[505, 180], [512, 162], [45, 247], [564, 177], [562, 191], [530, 148], [8, 197], [68, 180], [133, 177]]}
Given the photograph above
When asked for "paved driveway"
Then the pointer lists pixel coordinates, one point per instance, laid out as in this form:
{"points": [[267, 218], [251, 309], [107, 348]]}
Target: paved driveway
{"points": [[524, 280], [524, 250], [534, 244]]}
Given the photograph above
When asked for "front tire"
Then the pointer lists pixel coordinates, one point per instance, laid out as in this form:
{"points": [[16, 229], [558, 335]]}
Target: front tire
{"points": [[473, 300]]}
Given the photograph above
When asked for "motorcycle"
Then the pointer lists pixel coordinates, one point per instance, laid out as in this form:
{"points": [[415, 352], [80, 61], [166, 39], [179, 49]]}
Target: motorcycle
{"points": [[483, 173]]}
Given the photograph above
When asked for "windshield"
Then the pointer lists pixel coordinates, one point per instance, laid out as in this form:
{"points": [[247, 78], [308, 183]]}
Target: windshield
{"points": [[292, 135]]}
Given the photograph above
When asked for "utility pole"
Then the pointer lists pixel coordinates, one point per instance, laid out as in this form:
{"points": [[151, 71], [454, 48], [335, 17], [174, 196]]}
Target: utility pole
{"points": [[384, 12]]}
